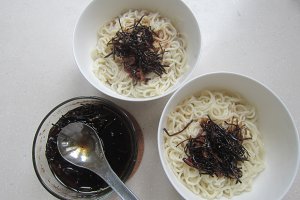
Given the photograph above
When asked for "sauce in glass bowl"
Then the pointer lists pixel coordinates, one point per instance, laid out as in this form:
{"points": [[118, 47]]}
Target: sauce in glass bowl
{"points": [[119, 146]]}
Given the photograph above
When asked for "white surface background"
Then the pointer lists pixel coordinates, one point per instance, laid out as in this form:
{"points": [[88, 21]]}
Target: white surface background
{"points": [[260, 39]]}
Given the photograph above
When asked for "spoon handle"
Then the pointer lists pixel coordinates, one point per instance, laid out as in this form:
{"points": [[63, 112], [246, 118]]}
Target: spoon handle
{"points": [[115, 182]]}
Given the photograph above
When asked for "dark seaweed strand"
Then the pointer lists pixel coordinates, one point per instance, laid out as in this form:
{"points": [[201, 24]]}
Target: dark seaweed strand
{"points": [[216, 150], [135, 47], [167, 132], [183, 141]]}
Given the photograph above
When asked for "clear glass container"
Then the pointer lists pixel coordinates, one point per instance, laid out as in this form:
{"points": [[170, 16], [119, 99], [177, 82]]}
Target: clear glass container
{"points": [[40, 163]]}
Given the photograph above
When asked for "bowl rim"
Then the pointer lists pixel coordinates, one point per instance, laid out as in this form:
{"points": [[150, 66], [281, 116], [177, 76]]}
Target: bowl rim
{"points": [[139, 99], [122, 112], [223, 73]]}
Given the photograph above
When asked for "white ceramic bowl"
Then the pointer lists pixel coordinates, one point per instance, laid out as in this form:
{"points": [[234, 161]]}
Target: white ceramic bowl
{"points": [[98, 12], [275, 124]]}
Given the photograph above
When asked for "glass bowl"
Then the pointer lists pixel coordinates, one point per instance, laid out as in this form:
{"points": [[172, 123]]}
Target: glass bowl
{"points": [[40, 163]]}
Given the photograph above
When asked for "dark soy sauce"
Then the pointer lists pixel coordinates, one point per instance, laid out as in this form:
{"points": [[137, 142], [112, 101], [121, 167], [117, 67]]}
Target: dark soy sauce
{"points": [[119, 147]]}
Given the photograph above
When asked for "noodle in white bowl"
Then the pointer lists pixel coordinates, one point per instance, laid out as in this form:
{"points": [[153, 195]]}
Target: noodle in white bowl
{"points": [[220, 106], [111, 72]]}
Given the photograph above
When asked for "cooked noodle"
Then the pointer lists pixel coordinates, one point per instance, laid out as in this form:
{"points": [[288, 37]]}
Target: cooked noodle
{"points": [[112, 73], [220, 106]]}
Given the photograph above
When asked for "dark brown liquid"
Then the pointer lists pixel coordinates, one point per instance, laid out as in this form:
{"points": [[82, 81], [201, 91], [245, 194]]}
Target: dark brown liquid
{"points": [[119, 147]]}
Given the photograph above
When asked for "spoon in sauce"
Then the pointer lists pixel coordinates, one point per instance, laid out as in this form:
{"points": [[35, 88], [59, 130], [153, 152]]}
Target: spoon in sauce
{"points": [[80, 145]]}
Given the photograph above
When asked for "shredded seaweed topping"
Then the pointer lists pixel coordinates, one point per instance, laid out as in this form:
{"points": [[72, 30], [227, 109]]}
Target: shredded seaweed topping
{"points": [[135, 47], [216, 150]]}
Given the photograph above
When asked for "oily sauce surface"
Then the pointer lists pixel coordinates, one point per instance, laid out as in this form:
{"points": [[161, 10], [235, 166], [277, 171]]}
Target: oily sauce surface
{"points": [[117, 140]]}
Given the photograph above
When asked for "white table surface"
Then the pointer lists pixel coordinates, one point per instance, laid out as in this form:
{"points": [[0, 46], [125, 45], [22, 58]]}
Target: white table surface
{"points": [[260, 39]]}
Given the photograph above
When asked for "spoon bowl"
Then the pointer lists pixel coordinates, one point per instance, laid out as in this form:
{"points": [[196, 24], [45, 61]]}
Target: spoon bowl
{"points": [[78, 144]]}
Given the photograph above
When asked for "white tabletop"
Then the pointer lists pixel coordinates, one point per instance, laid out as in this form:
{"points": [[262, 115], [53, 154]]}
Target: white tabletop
{"points": [[260, 39]]}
